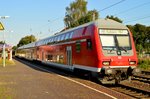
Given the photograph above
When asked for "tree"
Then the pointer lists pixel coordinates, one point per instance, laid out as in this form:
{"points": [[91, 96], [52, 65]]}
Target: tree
{"points": [[141, 35], [1, 42], [14, 48], [114, 18], [26, 40], [77, 14], [91, 15]]}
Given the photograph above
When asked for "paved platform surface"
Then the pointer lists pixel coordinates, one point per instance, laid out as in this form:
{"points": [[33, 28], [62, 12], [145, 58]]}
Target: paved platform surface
{"points": [[20, 81]]}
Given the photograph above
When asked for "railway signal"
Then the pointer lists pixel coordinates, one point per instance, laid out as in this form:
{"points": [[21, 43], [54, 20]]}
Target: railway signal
{"points": [[1, 26]]}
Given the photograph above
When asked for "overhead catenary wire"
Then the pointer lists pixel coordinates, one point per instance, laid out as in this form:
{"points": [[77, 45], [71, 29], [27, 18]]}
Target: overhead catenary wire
{"points": [[146, 3], [111, 5], [137, 19], [98, 11], [50, 22], [130, 9], [117, 13]]}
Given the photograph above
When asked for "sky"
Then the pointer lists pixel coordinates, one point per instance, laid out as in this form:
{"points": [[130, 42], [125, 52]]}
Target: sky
{"points": [[42, 18]]}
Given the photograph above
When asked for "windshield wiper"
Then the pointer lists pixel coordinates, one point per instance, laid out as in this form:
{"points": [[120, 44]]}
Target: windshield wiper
{"points": [[123, 49]]}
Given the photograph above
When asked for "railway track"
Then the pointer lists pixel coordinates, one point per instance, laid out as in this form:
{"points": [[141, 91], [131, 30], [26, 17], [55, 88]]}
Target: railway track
{"points": [[139, 87], [146, 72], [132, 91], [142, 78]]}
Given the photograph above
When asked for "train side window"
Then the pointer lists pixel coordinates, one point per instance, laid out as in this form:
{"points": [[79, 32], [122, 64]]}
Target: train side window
{"points": [[42, 42], [55, 39], [67, 36], [49, 40], [38, 56], [46, 41], [71, 34], [49, 57], [78, 46], [62, 37], [89, 44], [61, 59], [52, 39], [58, 38]]}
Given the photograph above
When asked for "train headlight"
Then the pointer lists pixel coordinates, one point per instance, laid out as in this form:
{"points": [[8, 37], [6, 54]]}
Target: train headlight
{"points": [[106, 63], [132, 62]]}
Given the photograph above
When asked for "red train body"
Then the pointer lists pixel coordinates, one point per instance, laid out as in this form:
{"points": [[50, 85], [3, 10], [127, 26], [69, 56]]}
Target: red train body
{"points": [[103, 48]]}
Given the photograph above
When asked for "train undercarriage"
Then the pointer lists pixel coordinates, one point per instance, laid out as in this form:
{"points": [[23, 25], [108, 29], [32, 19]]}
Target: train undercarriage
{"points": [[115, 76]]}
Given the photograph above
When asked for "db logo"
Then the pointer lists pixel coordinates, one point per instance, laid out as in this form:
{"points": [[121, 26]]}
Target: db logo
{"points": [[119, 57]]}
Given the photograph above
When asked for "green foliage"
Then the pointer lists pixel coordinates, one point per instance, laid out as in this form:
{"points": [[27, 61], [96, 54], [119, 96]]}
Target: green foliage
{"points": [[4, 93], [1, 42], [144, 64], [7, 62], [114, 18], [77, 14], [26, 40], [14, 48], [141, 35]]}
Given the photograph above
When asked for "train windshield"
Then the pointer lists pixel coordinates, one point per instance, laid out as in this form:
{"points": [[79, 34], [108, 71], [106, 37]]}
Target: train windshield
{"points": [[115, 40]]}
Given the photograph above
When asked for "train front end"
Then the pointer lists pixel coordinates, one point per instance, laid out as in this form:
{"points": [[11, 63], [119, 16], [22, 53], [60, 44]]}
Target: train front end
{"points": [[117, 54]]}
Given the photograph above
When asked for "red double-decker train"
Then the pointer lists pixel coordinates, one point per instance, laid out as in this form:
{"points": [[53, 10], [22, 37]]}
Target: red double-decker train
{"points": [[103, 48]]}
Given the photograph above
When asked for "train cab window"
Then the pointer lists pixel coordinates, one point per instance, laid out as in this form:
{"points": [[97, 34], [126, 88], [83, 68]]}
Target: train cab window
{"points": [[89, 44], [124, 42], [108, 42], [78, 46]]}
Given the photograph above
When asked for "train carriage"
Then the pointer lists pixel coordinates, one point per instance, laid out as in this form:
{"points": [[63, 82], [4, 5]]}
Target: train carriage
{"points": [[104, 48]]}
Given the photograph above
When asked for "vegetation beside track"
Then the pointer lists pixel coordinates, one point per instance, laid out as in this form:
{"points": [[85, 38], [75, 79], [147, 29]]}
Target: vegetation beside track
{"points": [[144, 64], [7, 62], [4, 93]]}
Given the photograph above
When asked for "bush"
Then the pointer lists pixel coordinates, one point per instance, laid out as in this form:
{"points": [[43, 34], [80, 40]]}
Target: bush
{"points": [[144, 63]]}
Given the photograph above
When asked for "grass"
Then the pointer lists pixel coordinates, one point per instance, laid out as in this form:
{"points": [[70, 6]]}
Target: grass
{"points": [[4, 93], [7, 62], [144, 64]]}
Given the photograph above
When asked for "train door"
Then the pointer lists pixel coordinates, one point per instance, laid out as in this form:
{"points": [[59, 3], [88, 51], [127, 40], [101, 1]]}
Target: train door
{"points": [[69, 55], [42, 55]]}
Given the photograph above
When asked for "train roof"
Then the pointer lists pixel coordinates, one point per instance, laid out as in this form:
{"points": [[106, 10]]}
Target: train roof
{"points": [[100, 23], [109, 24]]}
